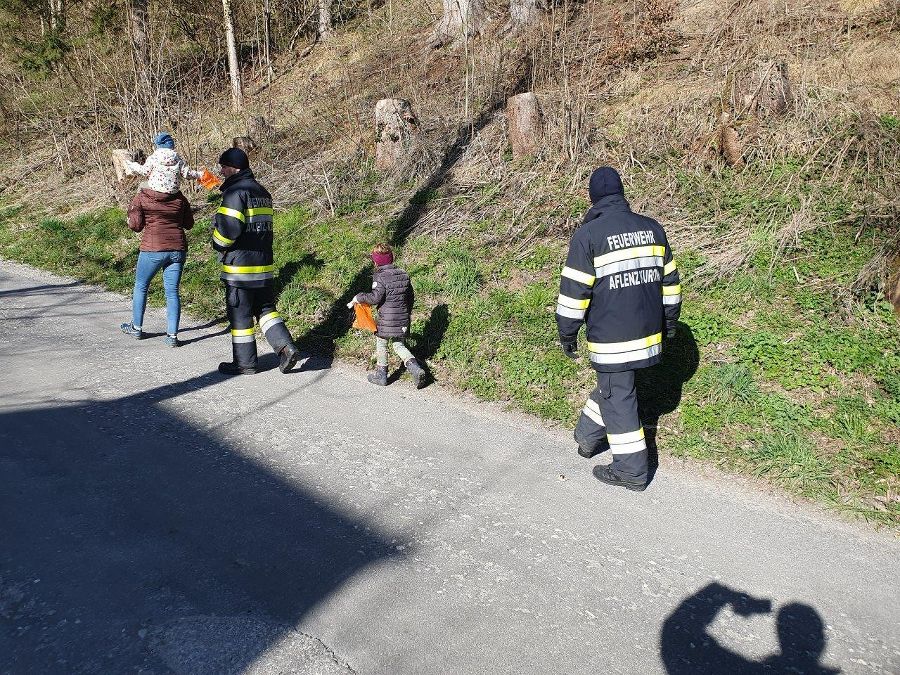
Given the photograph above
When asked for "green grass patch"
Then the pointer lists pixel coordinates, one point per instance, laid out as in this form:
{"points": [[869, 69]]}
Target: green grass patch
{"points": [[767, 377]]}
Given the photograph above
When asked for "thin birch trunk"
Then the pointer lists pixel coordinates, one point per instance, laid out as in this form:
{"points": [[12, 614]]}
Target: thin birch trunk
{"points": [[234, 70]]}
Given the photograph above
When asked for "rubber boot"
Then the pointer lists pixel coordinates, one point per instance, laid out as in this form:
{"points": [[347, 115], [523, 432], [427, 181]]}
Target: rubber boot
{"points": [[378, 376], [288, 358], [416, 372], [232, 368]]}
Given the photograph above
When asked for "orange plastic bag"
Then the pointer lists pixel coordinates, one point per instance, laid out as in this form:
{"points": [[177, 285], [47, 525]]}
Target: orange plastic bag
{"points": [[364, 320], [209, 181]]}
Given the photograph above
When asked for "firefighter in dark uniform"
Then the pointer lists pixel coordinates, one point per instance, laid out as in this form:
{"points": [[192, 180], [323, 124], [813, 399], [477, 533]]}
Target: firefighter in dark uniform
{"points": [[242, 234], [621, 280]]}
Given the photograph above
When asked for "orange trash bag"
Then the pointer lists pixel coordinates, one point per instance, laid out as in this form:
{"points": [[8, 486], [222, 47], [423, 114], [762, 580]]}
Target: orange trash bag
{"points": [[364, 320], [209, 181]]}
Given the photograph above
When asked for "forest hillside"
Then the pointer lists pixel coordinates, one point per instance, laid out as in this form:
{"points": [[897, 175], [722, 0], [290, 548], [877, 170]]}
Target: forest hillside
{"points": [[764, 135]]}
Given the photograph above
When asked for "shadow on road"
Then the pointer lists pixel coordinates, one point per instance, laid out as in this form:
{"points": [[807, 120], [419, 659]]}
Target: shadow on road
{"points": [[687, 648], [39, 290], [120, 520]]}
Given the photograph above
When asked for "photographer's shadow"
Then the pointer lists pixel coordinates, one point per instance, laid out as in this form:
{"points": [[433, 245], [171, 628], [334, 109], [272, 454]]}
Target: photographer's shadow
{"points": [[659, 388], [686, 647]]}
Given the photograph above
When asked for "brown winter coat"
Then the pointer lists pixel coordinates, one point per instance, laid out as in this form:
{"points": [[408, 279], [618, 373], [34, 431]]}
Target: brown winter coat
{"points": [[162, 219]]}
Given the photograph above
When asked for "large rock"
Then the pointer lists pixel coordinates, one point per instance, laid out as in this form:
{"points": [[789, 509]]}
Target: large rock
{"points": [[524, 119], [396, 132]]}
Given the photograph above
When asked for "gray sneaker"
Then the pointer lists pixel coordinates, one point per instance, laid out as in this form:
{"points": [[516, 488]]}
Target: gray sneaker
{"points": [[129, 329], [172, 341]]}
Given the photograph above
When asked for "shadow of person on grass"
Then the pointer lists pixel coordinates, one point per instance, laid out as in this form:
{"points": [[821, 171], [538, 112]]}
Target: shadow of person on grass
{"points": [[427, 342], [659, 388], [686, 647], [321, 337], [289, 270]]}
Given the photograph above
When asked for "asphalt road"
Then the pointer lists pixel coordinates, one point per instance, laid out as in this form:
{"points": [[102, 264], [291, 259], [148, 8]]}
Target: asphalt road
{"points": [[156, 517]]}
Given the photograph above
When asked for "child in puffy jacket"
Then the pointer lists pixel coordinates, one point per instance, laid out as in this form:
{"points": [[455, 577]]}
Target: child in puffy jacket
{"points": [[164, 168], [392, 295]]}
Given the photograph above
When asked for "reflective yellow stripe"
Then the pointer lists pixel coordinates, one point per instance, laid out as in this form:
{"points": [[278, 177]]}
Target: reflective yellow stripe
{"points": [[580, 277], [628, 253], [670, 267], [237, 332], [225, 211], [268, 317], [630, 437], [233, 269], [225, 241], [574, 303], [261, 211], [672, 290], [631, 345]]}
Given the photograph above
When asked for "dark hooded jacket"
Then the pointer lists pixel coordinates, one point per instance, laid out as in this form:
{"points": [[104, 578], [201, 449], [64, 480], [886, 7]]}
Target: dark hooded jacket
{"points": [[392, 295], [242, 232], [621, 280]]}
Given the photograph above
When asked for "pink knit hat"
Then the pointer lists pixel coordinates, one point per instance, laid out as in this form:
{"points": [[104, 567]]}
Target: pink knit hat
{"points": [[382, 258]]}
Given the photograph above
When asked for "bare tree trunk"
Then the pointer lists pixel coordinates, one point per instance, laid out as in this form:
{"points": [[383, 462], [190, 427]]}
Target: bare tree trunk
{"points": [[234, 70], [326, 29], [57, 15], [267, 29], [140, 40], [524, 13], [462, 19]]}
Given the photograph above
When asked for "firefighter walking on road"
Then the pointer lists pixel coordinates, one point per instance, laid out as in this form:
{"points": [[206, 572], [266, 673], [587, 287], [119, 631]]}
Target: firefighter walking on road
{"points": [[621, 280], [242, 234]]}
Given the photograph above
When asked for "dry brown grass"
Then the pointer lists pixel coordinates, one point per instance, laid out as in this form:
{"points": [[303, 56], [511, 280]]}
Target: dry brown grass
{"points": [[642, 90]]}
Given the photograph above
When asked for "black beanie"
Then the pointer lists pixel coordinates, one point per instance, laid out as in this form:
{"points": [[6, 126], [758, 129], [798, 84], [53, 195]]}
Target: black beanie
{"points": [[236, 158], [605, 181]]}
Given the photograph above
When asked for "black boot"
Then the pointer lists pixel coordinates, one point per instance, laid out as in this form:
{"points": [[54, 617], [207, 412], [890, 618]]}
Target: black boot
{"points": [[231, 368], [289, 355], [378, 376], [605, 475], [416, 372]]}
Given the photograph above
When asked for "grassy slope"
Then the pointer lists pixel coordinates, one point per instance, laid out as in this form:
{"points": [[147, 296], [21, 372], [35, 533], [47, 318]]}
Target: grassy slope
{"points": [[778, 371], [773, 381]]}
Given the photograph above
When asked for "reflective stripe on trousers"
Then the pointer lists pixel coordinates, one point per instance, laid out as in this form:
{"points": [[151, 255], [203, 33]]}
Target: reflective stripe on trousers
{"points": [[611, 413], [243, 306]]}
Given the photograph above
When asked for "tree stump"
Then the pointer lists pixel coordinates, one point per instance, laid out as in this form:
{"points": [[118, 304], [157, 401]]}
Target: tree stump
{"points": [[764, 91], [259, 128], [246, 144], [121, 156], [524, 119], [730, 143], [523, 13], [396, 131], [462, 19]]}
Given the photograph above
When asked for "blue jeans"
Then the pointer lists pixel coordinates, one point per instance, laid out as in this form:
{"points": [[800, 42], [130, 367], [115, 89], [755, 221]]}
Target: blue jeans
{"points": [[149, 263]]}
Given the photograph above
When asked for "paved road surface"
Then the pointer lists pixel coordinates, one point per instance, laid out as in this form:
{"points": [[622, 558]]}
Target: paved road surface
{"points": [[155, 517]]}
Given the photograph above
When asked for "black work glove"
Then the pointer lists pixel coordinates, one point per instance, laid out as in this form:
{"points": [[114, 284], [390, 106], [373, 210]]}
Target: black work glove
{"points": [[671, 331], [570, 348]]}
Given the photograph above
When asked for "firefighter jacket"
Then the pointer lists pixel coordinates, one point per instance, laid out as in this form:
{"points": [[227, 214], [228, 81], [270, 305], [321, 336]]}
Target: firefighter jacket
{"points": [[242, 232], [621, 280]]}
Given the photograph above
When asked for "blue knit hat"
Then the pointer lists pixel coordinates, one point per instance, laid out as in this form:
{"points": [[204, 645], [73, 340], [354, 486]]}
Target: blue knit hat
{"points": [[605, 181], [164, 140]]}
